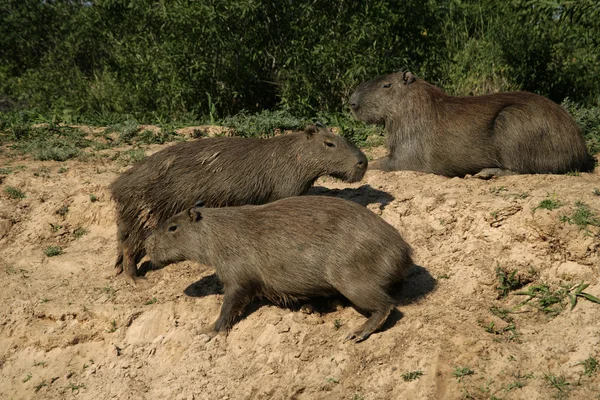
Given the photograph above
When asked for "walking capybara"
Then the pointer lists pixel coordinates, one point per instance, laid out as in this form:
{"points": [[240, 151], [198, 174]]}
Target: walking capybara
{"points": [[494, 134], [223, 172], [294, 248]]}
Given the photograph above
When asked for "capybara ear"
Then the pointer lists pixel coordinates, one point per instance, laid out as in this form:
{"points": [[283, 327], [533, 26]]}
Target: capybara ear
{"points": [[408, 77], [199, 204], [194, 215], [310, 130]]}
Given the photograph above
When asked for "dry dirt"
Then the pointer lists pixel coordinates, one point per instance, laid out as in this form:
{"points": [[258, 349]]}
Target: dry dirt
{"points": [[69, 329]]}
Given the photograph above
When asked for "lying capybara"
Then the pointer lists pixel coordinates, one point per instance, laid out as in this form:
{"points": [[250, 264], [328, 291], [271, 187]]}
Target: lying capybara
{"points": [[494, 134], [291, 249], [224, 172]]}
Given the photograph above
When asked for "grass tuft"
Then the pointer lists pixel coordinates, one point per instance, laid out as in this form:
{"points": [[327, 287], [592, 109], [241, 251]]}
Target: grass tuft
{"points": [[412, 375], [14, 193], [52, 251]]}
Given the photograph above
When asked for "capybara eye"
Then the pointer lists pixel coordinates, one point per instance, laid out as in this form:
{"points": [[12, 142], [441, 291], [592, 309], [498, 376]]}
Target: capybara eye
{"points": [[329, 144], [387, 85], [172, 228]]}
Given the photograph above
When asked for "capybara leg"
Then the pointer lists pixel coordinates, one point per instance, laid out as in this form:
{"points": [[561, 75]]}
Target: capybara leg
{"points": [[375, 321], [119, 262], [382, 164], [129, 264], [234, 303], [488, 173]]}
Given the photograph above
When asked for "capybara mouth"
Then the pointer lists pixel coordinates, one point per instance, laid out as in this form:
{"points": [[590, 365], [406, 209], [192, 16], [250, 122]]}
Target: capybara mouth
{"points": [[350, 178]]}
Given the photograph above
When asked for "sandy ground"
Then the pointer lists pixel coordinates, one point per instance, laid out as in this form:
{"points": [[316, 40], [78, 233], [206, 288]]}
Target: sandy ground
{"points": [[69, 329]]}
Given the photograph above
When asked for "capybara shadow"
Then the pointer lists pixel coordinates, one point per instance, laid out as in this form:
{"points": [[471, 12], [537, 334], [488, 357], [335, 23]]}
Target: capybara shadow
{"points": [[364, 195], [207, 286], [417, 284], [287, 251], [223, 171], [490, 135]]}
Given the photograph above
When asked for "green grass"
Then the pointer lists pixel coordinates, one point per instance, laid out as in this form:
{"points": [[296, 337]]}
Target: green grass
{"points": [[113, 326], [557, 382], [27, 378], [49, 141], [129, 157], [14, 193], [151, 301], [553, 301], [583, 216], [590, 366], [63, 210], [549, 204], [461, 372], [262, 124], [412, 375], [39, 386], [337, 324], [52, 251], [93, 198], [509, 281], [79, 232]]}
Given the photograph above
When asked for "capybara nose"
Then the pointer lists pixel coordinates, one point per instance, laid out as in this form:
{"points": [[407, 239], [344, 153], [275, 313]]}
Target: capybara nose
{"points": [[360, 164], [353, 106]]}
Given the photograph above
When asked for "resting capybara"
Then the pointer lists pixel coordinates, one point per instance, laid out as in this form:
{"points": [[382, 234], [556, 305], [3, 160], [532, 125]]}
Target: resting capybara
{"points": [[495, 134], [294, 248], [223, 172]]}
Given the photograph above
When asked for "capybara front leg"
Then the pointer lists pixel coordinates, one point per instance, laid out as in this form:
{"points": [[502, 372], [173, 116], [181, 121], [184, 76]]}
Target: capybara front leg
{"points": [[234, 303], [488, 173], [382, 164], [375, 321], [129, 263]]}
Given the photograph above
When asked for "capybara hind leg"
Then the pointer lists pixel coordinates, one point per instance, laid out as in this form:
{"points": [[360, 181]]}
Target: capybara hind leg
{"points": [[488, 173], [375, 321], [234, 303]]}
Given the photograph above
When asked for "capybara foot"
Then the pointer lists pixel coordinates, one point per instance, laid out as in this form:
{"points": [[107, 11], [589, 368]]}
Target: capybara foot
{"points": [[357, 336], [375, 321], [209, 331], [307, 308], [488, 173]]}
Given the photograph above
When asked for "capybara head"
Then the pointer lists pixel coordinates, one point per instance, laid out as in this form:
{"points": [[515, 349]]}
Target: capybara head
{"points": [[333, 154], [172, 241], [374, 101]]}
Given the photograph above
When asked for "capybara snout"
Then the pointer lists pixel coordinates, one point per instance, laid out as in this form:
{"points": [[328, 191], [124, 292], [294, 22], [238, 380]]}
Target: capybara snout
{"points": [[291, 249]]}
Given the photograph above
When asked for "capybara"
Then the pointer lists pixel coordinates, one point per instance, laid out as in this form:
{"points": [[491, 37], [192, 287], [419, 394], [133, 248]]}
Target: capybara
{"points": [[224, 172], [291, 249], [494, 134]]}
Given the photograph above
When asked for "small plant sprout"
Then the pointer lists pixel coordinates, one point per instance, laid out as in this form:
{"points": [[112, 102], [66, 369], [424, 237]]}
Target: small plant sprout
{"points": [[551, 203], [461, 372], [79, 232], [63, 210], [582, 216], [113, 326], [93, 198], [590, 366], [52, 251], [151, 301], [337, 324], [412, 375]]}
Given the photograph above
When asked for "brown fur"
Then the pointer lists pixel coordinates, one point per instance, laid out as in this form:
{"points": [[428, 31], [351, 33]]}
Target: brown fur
{"points": [[430, 131], [223, 172], [295, 248]]}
